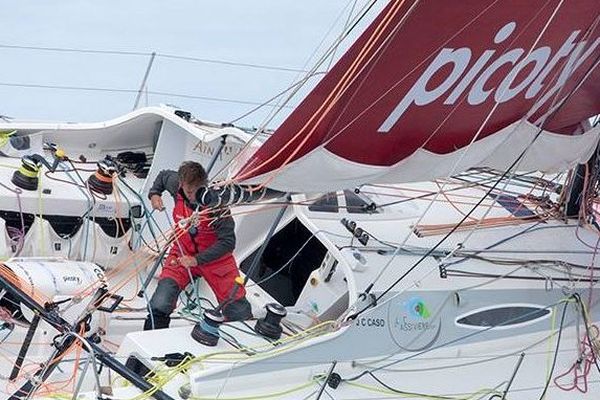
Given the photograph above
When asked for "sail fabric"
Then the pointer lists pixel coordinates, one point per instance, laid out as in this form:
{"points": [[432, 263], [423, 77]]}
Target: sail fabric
{"points": [[42, 240], [432, 88], [102, 249]]}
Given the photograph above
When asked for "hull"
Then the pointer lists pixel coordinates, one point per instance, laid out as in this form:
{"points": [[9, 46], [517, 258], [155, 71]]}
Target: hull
{"points": [[400, 308]]}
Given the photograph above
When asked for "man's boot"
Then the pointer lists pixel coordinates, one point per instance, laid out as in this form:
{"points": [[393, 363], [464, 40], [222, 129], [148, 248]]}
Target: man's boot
{"points": [[156, 321], [162, 304], [238, 310]]}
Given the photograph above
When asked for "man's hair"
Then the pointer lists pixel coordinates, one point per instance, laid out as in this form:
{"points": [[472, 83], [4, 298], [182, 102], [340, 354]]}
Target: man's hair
{"points": [[191, 172]]}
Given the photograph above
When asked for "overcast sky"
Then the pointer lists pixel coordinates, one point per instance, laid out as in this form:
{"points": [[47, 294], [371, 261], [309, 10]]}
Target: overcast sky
{"points": [[272, 33]]}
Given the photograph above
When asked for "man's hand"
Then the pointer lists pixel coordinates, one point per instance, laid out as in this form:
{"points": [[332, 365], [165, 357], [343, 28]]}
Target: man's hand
{"points": [[156, 202], [188, 261]]}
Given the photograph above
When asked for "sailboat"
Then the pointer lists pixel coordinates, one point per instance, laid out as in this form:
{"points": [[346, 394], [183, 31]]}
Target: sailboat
{"points": [[421, 226]]}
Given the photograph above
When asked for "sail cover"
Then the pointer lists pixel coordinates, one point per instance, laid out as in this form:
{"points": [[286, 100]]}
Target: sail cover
{"points": [[434, 87]]}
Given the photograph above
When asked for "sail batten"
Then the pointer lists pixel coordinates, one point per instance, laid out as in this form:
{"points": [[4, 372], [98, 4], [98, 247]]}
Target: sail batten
{"points": [[434, 78]]}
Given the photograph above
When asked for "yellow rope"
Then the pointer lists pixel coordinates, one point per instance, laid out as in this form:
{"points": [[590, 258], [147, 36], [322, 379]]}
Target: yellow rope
{"points": [[162, 375], [5, 137], [28, 173]]}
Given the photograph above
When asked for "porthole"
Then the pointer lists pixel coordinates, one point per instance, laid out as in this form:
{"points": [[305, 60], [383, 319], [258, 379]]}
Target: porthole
{"points": [[503, 316]]}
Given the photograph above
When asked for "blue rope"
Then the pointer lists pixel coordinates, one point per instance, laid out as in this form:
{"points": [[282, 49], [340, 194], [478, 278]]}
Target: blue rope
{"points": [[211, 330]]}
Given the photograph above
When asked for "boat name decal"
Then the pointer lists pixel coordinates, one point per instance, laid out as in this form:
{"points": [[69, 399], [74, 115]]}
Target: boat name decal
{"points": [[371, 322], [540, 62], [409, 326], [206, 149]]}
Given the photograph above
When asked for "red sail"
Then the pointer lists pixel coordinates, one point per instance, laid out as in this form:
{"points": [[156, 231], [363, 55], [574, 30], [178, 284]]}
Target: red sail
{"points": [[430, 77]]}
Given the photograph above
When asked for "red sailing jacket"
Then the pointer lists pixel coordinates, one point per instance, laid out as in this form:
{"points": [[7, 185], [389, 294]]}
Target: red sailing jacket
{"points": [[220, 273], [199, 237]]}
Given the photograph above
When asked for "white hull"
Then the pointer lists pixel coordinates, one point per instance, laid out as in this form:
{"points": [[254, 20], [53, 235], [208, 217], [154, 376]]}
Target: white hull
{"points": [[499, 262]]}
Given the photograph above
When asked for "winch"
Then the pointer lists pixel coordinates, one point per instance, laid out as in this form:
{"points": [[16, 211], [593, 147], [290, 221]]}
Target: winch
{"points": [[207, 330], [26, 177], [102, 180], [270, 325]]}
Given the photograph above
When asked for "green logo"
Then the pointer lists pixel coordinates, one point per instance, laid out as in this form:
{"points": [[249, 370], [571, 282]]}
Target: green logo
{"points": [[416, 308]]}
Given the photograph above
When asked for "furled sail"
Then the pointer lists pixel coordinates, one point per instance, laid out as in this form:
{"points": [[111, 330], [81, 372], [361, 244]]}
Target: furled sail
{"points": [[432, 88]]}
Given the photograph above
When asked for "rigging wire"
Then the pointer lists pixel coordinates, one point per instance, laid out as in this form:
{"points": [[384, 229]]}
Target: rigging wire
{"points": [[455, 340], [148, 54], [463, 154], [492, 280], [553, 109], [346, 25], [258, 105], [354, 67], [480, 359], [120, 90], [480, 182], [301, 137], [267, 102], [588, 324], [288, 262], [558, 339], [245, 149], [162, 375], [370, 372], [510, 167], [308, 74]]}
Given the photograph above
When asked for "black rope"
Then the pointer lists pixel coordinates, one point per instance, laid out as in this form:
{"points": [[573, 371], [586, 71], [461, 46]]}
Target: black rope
{"points": [[492, 188], [587, 329], [560, 330]]}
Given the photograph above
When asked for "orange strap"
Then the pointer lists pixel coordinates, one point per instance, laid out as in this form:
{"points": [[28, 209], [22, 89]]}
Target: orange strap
{"points": [[103, 178]]}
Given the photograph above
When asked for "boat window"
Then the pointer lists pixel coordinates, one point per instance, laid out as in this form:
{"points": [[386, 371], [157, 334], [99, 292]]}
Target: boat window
{"points": [[503, 316], [355, 204], [326, 203]]}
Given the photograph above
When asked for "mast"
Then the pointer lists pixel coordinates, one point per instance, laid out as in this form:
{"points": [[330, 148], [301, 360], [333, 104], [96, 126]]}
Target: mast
{"points": [[574, 203]]}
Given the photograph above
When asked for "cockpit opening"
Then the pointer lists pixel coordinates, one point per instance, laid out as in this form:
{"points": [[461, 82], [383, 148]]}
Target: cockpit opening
{"points": [[290, 257]]}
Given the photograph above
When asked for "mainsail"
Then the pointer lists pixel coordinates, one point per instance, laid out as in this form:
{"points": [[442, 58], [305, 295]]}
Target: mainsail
{"points": [[432, 88]]}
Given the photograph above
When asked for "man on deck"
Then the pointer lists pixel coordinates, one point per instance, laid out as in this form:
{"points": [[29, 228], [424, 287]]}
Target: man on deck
{"points": [[203, 249]]}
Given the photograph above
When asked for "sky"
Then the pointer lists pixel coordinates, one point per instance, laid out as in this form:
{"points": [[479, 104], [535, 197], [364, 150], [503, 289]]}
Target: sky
{"points": [[276, 34]]}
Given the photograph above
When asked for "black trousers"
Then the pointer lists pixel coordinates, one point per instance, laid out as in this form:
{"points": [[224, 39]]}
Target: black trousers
{"points": [[164, 301]]}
